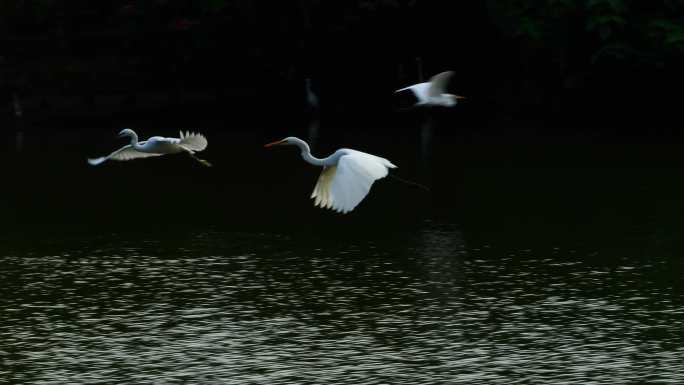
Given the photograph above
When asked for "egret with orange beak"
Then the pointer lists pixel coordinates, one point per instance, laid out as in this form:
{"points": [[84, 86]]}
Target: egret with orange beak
{"points": [[434, 92], [346, 178]]}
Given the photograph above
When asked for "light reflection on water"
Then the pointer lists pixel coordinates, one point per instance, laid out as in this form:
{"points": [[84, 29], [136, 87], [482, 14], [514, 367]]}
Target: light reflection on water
{"points": [[219, 307]]}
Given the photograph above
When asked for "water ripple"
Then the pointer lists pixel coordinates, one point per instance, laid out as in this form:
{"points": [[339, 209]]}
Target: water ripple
{"points": [[430, 310]]}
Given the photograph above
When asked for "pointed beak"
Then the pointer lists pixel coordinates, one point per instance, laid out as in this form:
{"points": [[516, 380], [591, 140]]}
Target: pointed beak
{"points": [[460, 97], [274, 143]]}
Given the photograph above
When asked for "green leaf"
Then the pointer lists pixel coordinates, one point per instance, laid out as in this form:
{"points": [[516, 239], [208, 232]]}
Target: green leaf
{"points": [[603, 21], [674, 38], [619, 51], [666, 25], [563, 3], [615, 5], [213, 5], [530, 28]]}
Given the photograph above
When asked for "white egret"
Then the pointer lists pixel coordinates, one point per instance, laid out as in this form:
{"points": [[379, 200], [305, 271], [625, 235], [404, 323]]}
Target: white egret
{"points": [[188, 143], [311, 98], [346, 178], [434, 92]]}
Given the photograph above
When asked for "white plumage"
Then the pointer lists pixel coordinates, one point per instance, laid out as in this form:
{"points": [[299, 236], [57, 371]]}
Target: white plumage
{"points": [[346, 178], [434, 92], [188, 143], [192, 141], [126, 152]]}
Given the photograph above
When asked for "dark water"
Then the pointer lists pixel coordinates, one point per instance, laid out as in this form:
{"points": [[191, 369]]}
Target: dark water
{"points": [[528, 262]]}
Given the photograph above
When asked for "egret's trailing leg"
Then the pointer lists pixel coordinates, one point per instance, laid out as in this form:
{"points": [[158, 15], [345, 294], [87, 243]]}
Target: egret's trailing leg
{"points": [[202, 161], [421, 186]]}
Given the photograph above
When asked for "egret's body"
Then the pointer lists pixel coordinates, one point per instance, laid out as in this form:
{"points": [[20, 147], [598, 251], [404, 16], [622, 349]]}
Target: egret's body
{"points": [[434, 92], [188, 143], [346, 178]]}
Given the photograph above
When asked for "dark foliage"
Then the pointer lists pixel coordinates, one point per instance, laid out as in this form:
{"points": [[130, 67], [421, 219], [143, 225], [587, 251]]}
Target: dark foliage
{"points": [[523, 58]]}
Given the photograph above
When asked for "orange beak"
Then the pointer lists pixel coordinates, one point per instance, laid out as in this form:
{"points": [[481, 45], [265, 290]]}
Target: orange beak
{"points": [[274, 143], [460, 97]]}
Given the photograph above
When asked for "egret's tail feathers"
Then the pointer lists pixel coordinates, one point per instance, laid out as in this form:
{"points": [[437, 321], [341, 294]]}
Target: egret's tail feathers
{"points": [[193, 141], [96, 161]]}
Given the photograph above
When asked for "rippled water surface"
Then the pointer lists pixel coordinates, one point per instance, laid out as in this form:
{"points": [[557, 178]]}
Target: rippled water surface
{"points": [[508, 271]]}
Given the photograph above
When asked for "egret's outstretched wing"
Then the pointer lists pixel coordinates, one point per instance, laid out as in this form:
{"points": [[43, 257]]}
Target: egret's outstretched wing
{"points": [[124, 153], [321, 192], [344, 186], [420, 90], [439, 82], [193, 141]]}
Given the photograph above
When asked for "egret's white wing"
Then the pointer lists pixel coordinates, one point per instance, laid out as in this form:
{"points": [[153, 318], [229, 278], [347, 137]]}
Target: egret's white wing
{"points": [[321, 192], [193, 141], [439, 82], [344, 186], [124, 153], [420, 90]]}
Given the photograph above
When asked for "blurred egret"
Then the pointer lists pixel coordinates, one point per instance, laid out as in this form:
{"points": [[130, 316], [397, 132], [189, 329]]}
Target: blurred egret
{"points": [[346, 178], [188, 143], [311, 98], [434, 92], [16, 104]]}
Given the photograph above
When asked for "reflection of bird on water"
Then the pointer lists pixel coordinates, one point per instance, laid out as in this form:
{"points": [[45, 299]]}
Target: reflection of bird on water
{"points": [[426, 139], [19, 141], [442, 250], [346, 178], [434, 92], [188, 143]]}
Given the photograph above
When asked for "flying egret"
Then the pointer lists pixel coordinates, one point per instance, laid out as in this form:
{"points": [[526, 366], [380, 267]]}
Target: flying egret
{"points": [[346, 178], [188, 143], [434, 92]]}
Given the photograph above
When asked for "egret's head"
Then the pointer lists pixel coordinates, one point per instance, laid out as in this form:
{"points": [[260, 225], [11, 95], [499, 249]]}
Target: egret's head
{"points": [[289, 140], [126, 132], [452, 100]]}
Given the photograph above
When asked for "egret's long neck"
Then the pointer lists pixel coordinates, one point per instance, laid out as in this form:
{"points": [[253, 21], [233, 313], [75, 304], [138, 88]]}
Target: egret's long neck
{"points": [[306, 154], [134, 140]]}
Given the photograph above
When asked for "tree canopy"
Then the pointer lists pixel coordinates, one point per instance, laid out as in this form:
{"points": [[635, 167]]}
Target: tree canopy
{"points": [[519, 53]]}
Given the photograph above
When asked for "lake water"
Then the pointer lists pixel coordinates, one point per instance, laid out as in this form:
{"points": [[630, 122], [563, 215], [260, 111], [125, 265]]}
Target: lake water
{"points": [[529, 261]]}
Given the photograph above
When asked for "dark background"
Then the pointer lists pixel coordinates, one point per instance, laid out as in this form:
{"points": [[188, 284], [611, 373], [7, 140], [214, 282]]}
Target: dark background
{"points": [[609, 66], [548, 249]]}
